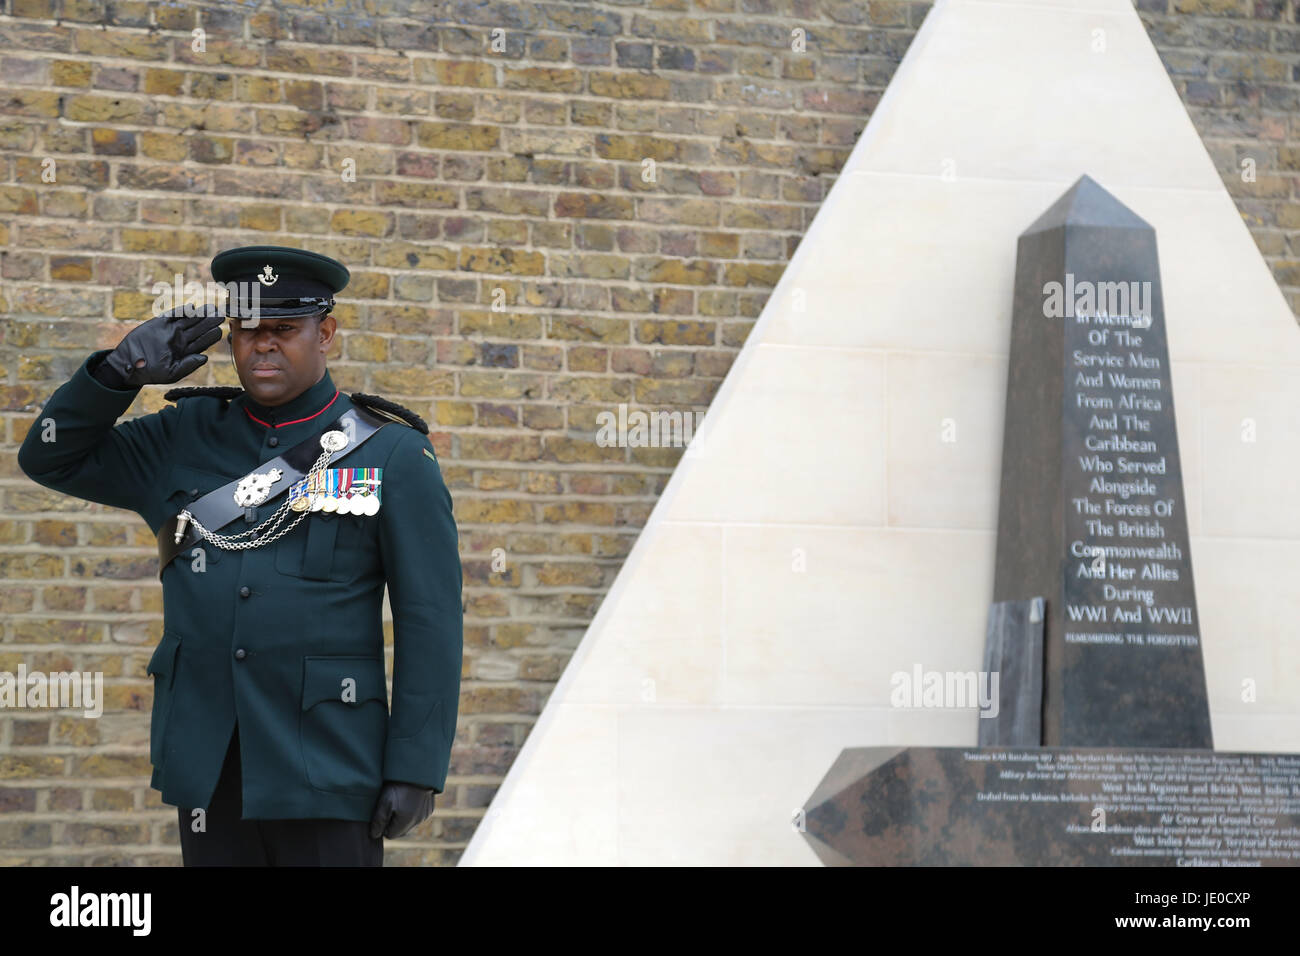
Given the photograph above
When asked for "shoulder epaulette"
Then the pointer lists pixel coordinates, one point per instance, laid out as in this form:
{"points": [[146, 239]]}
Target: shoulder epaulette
{"points": [[226, 392], [392, 410]]}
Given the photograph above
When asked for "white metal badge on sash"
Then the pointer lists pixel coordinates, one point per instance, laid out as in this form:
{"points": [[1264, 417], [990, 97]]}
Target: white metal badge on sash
{"points": [[253, 489]]}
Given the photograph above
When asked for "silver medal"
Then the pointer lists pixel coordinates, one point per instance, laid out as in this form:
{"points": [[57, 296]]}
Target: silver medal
{"points": [[330, 502], [333, 441]]}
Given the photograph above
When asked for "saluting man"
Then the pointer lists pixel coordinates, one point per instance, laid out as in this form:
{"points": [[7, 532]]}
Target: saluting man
{"points": [[282, 510]]}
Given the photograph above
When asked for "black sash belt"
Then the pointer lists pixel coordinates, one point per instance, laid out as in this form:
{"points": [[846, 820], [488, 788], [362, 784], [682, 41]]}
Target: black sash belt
{"points": [[217, 508]]}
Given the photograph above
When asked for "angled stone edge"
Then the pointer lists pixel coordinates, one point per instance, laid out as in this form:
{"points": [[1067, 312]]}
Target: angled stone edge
{"points": [[849, 767]]}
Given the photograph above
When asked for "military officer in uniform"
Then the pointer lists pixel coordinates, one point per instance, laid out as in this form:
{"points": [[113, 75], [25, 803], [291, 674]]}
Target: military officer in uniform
{"points": [[282, 511]]}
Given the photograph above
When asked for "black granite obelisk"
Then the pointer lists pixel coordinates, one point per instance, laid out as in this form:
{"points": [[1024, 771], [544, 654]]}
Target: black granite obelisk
{"points": [[1092, 511], [1094, 625]]}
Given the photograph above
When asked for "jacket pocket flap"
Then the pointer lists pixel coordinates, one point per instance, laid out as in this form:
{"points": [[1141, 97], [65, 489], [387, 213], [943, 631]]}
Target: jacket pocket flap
{"points": [[164, 656], [349, 680]]}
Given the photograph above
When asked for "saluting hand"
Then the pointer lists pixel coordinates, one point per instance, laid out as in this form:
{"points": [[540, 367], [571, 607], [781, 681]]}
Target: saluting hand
{"points": [[400, 808], [165, 349]]}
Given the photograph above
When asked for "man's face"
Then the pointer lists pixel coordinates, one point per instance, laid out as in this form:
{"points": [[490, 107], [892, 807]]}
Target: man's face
{"points": [[279, 359]]}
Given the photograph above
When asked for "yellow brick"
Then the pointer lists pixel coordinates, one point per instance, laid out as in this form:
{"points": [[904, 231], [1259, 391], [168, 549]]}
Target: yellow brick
{"points": [[122, 43], [174, 241], [361, 222], [453, 413], [163, 146], [458, 136], [260, 218], [87, 108], [503, 261], [479, 72], [26, 766], [492, 511], [72, 73], [544, 79]]}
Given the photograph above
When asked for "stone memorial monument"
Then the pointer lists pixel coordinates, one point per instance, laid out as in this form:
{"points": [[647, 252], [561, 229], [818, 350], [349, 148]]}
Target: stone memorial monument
{"points": [[1101, 752], [1092, 513]]}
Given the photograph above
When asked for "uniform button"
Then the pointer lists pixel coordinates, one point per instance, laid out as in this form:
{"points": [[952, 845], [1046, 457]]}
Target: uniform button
{"points": [[244, 592], [240, 654], [273, 441], [194, 492]]}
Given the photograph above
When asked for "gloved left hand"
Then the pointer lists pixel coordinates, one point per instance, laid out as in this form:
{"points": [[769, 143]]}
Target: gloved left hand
{"points": [[400, 808]]}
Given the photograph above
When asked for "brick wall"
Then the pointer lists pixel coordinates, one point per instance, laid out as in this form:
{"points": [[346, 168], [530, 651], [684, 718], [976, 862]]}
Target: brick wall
{"points": [[556, 208], [1236, 64]]}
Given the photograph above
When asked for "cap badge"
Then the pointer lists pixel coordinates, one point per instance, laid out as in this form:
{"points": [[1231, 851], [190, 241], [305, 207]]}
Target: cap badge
{"points": [[267, 277]]}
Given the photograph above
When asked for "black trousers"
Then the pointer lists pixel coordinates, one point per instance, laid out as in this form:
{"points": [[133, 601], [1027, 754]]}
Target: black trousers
{"points": [[230, 841]]}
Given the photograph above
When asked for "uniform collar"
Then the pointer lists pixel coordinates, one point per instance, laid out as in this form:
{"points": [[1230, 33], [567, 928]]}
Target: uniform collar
{"points": [[313, 402]]}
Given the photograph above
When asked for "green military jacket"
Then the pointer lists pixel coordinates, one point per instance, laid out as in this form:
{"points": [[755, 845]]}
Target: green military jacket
{"points": [[286, 638]]}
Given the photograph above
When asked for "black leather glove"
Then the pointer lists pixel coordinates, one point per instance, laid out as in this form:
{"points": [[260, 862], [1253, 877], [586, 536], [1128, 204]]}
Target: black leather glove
{"points": [[400, 808], [163, 350]]}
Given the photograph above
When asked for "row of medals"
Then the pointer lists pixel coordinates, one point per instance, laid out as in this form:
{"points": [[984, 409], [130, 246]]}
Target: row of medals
{"points": [[365, 502]]}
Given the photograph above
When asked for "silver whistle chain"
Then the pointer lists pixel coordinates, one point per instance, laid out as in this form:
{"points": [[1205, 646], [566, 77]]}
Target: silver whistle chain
{"points": [[264, 533]]}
